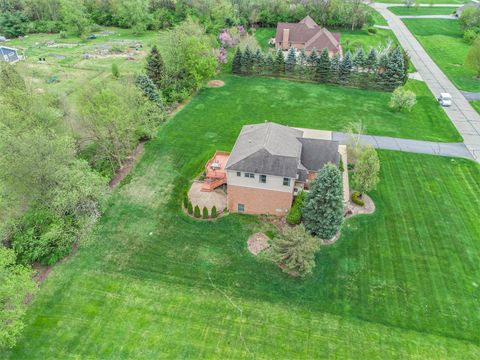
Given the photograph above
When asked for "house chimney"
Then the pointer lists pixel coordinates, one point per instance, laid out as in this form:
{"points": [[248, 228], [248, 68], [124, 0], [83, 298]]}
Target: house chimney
{"points": [[286, 36]]}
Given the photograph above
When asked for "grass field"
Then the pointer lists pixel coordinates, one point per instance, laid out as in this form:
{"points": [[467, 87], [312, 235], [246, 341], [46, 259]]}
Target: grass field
{"points": [[442, 39], [245, 100], [402, 283], [427, 2], [74, 61], [403, 10]]}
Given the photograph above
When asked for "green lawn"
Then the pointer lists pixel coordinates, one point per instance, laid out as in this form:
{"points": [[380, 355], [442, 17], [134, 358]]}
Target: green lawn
{"points": [[246, 100], [442, 39], [402, 10], [152, 283], [263, 35], [427, 2]]}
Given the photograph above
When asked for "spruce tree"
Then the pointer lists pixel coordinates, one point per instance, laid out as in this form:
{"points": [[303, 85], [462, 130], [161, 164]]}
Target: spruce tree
{"points": [[359, 60], [247, 61], [237, 62], [323, 66], [323, 210], [372, 60], [155, 67], [335, 69], [290, 62], [345, 69], [312, 63], [279, 63], [302, 63], [258, 62], [394, 70], [269, 64]]}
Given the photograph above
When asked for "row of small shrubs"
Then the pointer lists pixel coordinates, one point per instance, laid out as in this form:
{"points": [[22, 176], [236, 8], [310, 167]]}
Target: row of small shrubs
{"points": [[294, 216], [356, 198], [195, 211]]}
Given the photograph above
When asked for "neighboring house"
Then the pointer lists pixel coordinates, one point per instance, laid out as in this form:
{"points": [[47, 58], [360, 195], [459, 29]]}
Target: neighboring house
{"points": [[461, 9], [9, 54], [268, 165], [307, 35]]}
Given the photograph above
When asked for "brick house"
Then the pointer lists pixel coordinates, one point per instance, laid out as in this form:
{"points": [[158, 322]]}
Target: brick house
{"points": [[268, 165], [307, 35]]}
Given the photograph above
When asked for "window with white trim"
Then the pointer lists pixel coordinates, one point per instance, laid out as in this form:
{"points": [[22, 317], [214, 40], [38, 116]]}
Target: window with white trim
{"points": [[263, 179], [286, 181]]}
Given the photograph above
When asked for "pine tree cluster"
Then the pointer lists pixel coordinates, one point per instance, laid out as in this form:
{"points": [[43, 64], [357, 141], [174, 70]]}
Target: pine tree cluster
{"points": [[386, 72]]}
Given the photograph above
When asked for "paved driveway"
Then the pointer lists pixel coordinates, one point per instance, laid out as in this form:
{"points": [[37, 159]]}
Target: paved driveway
{"points": [[461, 113]]}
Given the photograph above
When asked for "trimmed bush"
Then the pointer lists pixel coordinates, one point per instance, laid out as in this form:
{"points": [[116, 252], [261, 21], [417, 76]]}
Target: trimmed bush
{"points": [[190, 208], [214, 212], [196, 212], [294, 216], [185, 201], [372, 30], [205, 212], [356, 198]]}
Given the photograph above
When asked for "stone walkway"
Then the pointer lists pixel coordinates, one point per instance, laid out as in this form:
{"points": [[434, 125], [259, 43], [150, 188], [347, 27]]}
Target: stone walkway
{"points": [[406, 145], [461, 113]]}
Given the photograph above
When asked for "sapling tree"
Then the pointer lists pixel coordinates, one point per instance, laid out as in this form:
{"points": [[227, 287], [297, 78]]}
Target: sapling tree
{"points": [[367, 169]]}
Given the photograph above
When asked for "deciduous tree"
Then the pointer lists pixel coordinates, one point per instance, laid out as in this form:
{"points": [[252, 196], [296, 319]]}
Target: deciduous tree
{"points": [[367, 169]]}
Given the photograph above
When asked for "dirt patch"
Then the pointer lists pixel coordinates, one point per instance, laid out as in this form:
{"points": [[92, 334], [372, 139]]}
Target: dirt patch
{"points": [[125, 169], [257, 243], [216, 83]]}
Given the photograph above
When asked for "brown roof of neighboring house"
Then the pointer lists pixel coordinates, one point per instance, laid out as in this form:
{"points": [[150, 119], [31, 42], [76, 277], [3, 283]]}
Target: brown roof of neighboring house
{"points": [[309, 33]]}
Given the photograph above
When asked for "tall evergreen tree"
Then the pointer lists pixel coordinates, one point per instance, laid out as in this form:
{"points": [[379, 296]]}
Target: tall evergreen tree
{"points": [[345, 69], [269, 64], [237, 62], [335, 69], [247, 61], [372, 60], [279, 63], [359, 60], [258, 62], [394, 70], [323, 210], [323, 66], [155, 67], [312, 63], [302, 63], [291, 61]]}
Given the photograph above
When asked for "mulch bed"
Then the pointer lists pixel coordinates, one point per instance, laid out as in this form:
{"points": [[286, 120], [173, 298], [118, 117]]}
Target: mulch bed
{"points": [[257, 243], [353, 209], [216, 83]]}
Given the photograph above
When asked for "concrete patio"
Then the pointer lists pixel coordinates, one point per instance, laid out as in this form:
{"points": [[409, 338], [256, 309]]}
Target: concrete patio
{"points": [[217, 197]]}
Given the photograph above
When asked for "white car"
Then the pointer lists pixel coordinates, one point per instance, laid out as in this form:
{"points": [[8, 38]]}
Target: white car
{"points": [[445, 99]]}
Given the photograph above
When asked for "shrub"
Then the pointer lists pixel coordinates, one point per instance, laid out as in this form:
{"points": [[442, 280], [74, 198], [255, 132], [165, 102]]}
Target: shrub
{"points": [[63, 34], [205, 212], [190, 208], [470, 35], [270, 234], [356, 198], [214, 212], [402, 99], [185, 201], [196, 212], [294, 216], [115, 71], [341, 166], [372, 30]]}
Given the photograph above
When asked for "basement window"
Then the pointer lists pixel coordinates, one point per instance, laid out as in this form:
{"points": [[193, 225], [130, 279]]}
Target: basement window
{"points": [[241, 207]]}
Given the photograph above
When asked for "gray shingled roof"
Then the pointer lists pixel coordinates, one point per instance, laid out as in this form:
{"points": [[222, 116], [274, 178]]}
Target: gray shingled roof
{"points": [[274, 149], [317, 153]]}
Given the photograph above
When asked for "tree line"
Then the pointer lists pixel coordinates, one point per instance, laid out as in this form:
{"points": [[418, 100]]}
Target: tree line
{"points": [[386, 71], [80, 16]]}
